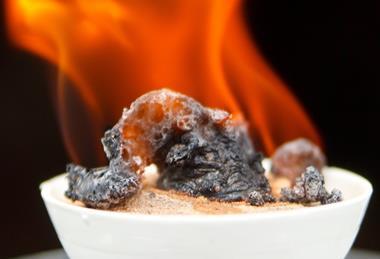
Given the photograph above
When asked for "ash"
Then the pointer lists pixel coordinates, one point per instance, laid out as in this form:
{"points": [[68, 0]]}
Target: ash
{"points": [[310, 188], [198, 151]]}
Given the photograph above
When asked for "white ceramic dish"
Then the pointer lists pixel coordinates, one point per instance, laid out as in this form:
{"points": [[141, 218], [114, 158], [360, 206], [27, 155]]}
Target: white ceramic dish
{"points": [[316, 232]]}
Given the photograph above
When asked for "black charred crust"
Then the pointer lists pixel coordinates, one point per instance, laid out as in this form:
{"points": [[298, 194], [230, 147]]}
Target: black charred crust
{"points": [[256, 198], [112, 143], [205, 161], [310, 188], [102, 187], [333, 197], [213, 163], [202, 153]]}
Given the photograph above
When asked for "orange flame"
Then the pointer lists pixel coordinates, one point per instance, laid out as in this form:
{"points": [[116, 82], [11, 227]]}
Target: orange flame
{"points": [[114, 51]]}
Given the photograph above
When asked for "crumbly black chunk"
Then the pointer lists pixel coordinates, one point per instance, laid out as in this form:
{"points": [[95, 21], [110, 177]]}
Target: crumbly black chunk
{"points": [[256, 198], [213, 165], [198, 151], [333, 197], [112, 143], [310, 188], [102, 187]]}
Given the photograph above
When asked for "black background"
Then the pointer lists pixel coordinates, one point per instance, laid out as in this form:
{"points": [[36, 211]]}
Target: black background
{"points": [[327, 54]]}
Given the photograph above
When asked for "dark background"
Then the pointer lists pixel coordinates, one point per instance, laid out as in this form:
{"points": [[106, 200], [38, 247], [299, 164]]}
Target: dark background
{"points": [[327, 53]]}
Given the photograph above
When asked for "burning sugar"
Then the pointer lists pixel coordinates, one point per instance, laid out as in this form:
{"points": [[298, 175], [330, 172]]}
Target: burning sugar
{"points": [[199, 152]]}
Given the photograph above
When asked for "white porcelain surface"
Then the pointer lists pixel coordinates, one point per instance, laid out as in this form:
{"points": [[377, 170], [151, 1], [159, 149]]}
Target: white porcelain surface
{"points": [[306, 233]]}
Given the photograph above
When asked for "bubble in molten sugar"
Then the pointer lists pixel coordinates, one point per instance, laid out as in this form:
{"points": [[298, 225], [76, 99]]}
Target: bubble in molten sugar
{"points": [[115, 51], [154, 118]]}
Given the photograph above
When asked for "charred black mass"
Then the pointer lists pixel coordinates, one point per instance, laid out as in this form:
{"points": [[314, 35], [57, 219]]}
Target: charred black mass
{"points": [[212, 163], [198, 151], [310, 188], [102, 187]]}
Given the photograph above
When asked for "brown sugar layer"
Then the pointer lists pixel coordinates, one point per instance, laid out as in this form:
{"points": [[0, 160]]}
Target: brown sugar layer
{"points": [[155, 201], [151, 200]]}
